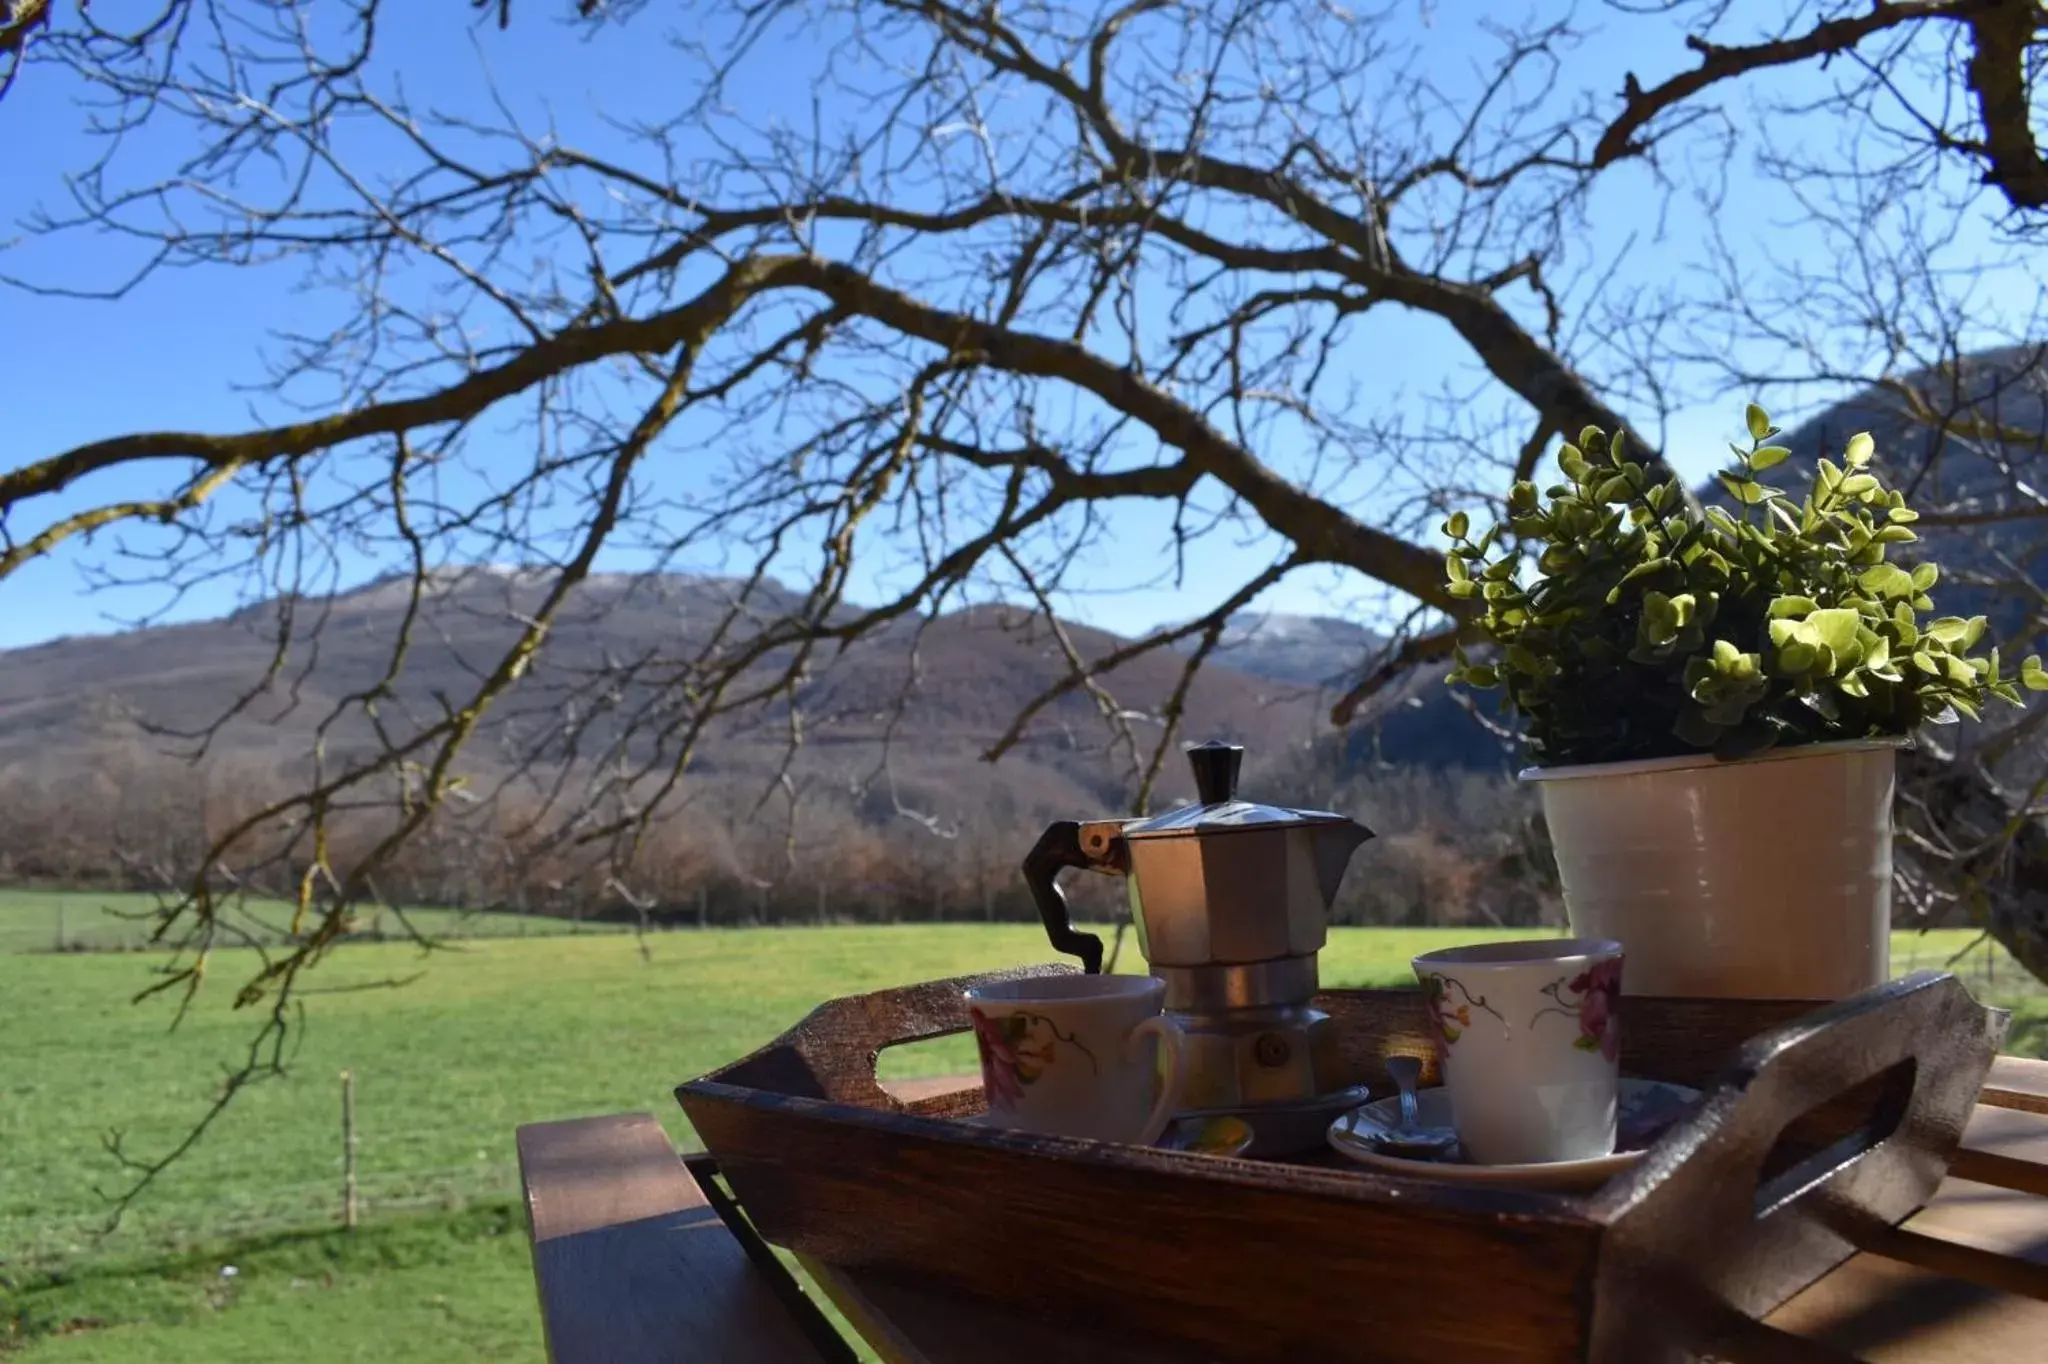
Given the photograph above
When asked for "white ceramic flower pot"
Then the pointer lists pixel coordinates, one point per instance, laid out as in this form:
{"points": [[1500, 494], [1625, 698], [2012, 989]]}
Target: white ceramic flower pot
{"points": [[1768, 878]]}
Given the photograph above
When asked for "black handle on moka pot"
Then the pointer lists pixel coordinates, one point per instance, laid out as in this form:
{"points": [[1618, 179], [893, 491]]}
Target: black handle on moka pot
{"points": [[1058, 848]]}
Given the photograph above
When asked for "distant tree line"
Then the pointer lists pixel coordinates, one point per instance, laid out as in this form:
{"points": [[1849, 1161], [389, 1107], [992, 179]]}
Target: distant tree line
{"points": [[1453, 848]]}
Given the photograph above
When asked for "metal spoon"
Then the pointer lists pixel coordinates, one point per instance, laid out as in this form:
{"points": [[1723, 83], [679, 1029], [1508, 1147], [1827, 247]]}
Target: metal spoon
{"points": [[1411, 1138]]}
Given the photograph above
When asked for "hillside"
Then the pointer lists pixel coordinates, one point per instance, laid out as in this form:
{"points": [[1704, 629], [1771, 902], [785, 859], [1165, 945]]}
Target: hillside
{"points": [[941, 690]]}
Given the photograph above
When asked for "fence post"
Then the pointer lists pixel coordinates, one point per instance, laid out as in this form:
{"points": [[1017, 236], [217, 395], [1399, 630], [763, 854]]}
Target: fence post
{"points": [[703, 906], [348, 1149], [60, 926]]}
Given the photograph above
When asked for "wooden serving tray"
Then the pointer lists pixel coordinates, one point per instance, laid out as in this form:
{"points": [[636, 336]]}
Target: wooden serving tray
{"points": [[1816, 1130]]}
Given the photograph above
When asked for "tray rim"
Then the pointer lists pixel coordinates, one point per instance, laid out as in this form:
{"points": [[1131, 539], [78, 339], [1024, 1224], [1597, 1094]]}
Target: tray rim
{"points": [[1353, 1184]]}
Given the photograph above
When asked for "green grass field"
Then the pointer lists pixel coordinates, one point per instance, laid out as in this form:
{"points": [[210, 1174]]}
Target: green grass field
{"points": [[497, 1032]]}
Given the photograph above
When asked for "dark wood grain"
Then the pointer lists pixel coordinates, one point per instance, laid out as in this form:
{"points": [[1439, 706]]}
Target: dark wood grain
{"points": [[909, 1324], [632, 1264], [1705, 1206], [831, 1053], [1256, 1261]]}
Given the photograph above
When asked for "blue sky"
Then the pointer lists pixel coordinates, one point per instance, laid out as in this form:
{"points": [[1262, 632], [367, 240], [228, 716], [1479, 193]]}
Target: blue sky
{"points": [[183, 350]]}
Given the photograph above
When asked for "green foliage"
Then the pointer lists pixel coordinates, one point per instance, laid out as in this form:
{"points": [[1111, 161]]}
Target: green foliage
{"points": [[1651, 629]]}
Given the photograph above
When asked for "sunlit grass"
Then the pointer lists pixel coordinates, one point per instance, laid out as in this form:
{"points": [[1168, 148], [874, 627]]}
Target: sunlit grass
{"points": [[493, 1034]]}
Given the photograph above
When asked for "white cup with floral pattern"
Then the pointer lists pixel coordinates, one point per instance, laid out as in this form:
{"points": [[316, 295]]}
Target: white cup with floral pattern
{"points": [[1078, 1056], [1530, 1046]]}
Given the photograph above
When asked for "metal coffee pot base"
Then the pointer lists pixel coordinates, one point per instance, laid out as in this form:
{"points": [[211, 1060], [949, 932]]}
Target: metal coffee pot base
{"points": [[1290, 1129], [1275, 1068], [1247, 1058]]}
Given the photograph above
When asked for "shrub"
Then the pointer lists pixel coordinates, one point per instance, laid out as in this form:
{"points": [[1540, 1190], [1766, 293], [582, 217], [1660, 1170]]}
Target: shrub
{"points": [[1652, 629]]}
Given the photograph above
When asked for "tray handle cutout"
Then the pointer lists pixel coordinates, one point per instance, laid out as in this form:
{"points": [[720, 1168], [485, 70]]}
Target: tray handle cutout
{"points": [[839, 1041], [1854, 1109], [1833, 1133]]}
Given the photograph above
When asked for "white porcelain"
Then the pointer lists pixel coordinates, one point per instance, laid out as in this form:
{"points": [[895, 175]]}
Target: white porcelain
{"points": [[1768, 878], [1530, 1045], [1350, 1135], [1078, 1056]]}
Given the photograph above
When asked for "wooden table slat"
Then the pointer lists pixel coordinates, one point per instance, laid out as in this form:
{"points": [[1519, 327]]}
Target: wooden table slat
{"points": [[632, 1263], [2017, 1082], [1885, 1312], [2007, 1147]]}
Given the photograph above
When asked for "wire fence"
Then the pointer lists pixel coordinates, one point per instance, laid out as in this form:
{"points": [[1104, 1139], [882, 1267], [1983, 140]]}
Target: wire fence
{"points": [[252, 1208], [234, 1192]]}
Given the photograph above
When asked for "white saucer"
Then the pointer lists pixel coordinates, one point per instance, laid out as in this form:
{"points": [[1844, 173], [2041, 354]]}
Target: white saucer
{"points": [[1636, 1100]]}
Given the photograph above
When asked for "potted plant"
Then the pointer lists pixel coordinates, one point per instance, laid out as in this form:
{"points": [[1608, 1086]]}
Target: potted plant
{"points": [[1716, 698]]}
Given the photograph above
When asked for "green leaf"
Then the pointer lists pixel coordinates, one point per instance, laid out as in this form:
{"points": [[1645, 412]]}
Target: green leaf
{"points": [[1769, 458], [1886, 580], [1796, 658], [1464, 591], [1856, 485], [1835, 628], [1925, 576], [1457, 525], [1949, 629], [2032, 675], [1759, 423], [1743, 490], [1648, 567], [1858, 451], [1693, 727], [1456, 567], [1792, 606]]}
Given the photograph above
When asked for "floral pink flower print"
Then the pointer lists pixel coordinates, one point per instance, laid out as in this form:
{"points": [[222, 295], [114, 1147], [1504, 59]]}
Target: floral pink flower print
{"points": [[1016, 1049], [1599, 990], [998, 1062], [1451, 1020]]}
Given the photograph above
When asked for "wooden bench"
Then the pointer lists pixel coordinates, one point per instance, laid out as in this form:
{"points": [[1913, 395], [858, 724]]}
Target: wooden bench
{"points": [[641, 1258]]}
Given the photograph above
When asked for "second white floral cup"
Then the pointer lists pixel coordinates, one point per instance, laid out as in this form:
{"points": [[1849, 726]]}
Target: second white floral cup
{"points": [[1530, 1046], [1078, 1056]]}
